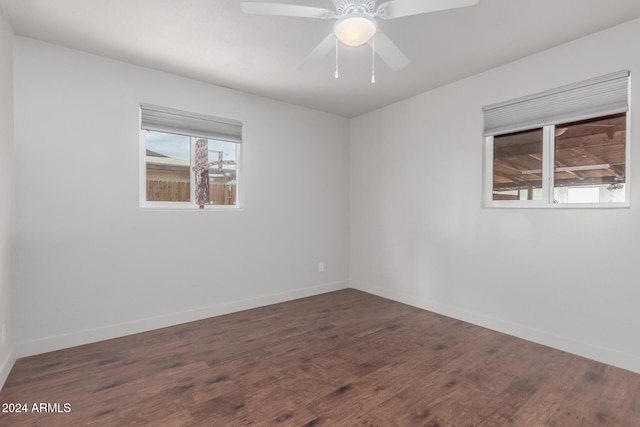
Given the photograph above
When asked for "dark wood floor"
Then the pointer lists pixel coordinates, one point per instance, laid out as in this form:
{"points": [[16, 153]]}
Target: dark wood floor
{"points": [[340, 359]]}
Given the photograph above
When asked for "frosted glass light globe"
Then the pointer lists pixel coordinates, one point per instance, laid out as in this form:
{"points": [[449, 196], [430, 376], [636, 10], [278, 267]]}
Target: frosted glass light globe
{"points": [[355, 29]]}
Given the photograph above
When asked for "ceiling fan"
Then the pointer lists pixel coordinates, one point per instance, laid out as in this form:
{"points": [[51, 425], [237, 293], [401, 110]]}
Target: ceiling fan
{"points": [[356, 23]]}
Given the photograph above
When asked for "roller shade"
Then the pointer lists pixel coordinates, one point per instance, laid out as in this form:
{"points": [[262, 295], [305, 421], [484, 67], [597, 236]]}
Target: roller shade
{"points": [[600, 96], [164, 119]]}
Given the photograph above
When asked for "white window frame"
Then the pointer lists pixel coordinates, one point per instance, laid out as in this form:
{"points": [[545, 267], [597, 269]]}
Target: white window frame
{"points": [[548, 144], [589, 99], [191, 205]]}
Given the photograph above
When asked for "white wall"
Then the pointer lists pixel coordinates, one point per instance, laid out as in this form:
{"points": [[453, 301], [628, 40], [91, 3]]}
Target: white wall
{"points": [[565, 278], [90, 264], [6, 147]]}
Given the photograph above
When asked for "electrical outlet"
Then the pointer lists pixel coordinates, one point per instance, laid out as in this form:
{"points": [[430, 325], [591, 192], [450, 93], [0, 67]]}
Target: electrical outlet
{"points": [[321, 267]]}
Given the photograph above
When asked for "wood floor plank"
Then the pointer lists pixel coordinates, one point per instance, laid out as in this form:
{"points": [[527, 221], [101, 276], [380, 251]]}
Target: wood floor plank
{"points": [[338, 359], [539, 366]]}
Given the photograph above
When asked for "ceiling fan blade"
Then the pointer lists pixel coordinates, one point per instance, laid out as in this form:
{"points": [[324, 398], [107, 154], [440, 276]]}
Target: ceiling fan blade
{"points": [[388, 51], [399, 8], [319, 52], [281, 9]]}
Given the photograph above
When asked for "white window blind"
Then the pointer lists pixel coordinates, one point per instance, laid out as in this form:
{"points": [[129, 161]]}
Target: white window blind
{"points": [[599, 96], [164, 119]]}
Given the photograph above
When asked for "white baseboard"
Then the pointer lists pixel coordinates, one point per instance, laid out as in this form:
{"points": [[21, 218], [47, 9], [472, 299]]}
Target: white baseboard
{"points": [[43, 345], [6, 366], [622, 360]]}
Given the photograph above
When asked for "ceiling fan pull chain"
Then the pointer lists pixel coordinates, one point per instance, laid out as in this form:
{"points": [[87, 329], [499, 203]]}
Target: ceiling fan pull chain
{"points": [[373, 59], [336, 75]]}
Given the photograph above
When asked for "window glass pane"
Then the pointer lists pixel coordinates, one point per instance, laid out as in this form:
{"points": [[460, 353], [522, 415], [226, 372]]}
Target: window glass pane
{"points": [[222, 172], [168, 167], [517, 166], [589, 160]]}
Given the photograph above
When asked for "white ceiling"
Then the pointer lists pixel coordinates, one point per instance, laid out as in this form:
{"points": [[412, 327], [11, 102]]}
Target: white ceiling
{"points": [[212, 41]]}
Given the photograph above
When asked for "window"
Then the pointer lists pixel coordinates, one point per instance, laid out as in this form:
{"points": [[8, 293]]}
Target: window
{"points": [[513, 155], [189, 160], [565, 147]]}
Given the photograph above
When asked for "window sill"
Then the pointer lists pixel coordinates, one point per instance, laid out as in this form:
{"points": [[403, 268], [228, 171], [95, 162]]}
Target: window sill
{"points": [[494, 205], [187, 207]]}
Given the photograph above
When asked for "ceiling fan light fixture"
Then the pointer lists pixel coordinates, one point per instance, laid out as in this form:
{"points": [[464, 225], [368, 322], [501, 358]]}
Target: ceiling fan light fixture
{"points": [[355, 29]]}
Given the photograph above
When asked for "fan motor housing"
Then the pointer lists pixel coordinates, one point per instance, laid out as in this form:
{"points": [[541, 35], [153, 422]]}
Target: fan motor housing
{"points": [[355, 6]]}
